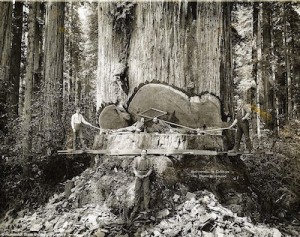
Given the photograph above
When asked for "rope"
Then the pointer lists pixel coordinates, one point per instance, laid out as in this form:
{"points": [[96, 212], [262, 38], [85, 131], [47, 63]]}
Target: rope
{"points": [[178, 125], [94, 127], [192, 129]]}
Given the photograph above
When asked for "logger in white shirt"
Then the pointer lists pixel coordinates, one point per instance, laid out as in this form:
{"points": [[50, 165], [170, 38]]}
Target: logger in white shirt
{"points": [[76, 121]]}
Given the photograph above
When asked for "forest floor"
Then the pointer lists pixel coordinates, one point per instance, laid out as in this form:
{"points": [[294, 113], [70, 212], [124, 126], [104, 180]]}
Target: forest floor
{"points": [[58, 199], [192, 214]]}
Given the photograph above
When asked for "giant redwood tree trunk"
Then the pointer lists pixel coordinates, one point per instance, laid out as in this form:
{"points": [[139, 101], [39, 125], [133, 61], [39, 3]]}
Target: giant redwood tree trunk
{"points": [[178, 44], [5, 49], [29, 81], [53, 63]]}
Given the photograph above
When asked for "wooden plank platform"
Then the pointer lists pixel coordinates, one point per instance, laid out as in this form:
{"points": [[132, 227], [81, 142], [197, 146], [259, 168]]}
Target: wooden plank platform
{"points": [[201, 133], [243, 153], [77, 152], [138, 151], [156, 152], [163, 152]]}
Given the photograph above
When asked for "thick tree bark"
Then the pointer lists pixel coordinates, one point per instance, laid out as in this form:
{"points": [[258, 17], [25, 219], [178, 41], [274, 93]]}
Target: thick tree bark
{"points": [[5, 53], [29, 81], [53, 61], [70, 90], [13, 95], [226, 83], [178, 44]]}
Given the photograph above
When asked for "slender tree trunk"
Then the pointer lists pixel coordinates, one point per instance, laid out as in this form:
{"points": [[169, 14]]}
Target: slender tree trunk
{"points": [[275, 43], [295, 73], [254, 94], [287, 66], [259, 69], [274, 98], [266, 66], [13, 96], [73, 53], [5, 53], [38, 48], [53, 90], [29, 81]]}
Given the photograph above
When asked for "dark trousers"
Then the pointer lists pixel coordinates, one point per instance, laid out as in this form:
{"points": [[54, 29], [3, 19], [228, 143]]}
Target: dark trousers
{"points": [[242, 128], [142, 188], [76, 134]]}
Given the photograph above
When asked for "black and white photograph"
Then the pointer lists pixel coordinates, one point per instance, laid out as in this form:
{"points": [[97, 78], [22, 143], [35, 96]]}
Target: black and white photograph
{"points": [[149, 118]]}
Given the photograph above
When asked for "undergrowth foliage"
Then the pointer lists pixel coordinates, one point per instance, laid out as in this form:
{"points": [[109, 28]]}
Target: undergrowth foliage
{"points": [[47, 175], [275, 178], [47, 171]]}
